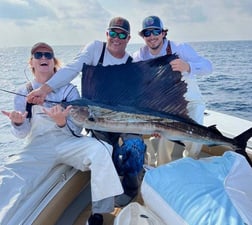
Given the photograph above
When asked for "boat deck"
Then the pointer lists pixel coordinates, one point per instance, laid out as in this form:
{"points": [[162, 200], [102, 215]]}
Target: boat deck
{"points": [[72, 205]]}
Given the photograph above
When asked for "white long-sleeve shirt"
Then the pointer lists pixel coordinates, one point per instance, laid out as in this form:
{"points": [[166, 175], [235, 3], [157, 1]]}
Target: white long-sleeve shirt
{"points": [[198, 64], [68, 92]]}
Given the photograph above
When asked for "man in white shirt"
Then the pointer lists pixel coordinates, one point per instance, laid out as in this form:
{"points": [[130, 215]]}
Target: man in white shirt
{"points": [[111, 53], [189, 63]]}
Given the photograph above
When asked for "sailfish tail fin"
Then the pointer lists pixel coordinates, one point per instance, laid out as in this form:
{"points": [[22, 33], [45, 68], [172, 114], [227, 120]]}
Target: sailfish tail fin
{"points": [[241, 141]]}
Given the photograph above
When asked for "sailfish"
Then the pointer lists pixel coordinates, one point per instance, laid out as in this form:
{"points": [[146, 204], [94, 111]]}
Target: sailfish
{"points": [[144, 97]]}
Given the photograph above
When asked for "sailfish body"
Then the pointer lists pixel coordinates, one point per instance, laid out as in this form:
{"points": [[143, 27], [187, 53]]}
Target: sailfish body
{"points": [[130, 120]]}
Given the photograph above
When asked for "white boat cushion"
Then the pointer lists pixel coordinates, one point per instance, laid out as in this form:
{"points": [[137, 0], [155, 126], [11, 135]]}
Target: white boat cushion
{"points": [[211, 191]]}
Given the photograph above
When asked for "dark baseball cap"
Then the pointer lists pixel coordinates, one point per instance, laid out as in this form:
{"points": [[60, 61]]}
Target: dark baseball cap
{"points": [[152, 22], [119, 23], [41, 45]]}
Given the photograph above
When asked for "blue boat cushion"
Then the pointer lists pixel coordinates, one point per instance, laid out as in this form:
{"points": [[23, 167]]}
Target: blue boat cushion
{"points": [[215, 190]]}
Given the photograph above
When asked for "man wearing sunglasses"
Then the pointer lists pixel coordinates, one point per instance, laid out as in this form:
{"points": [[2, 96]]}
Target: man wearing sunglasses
{"points": [[97, 52], [52, 138], [118, 36], [189, 63]]}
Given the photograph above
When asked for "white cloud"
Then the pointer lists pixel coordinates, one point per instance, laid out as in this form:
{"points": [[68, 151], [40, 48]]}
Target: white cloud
{"points": [[23, 22], [73, 22]]}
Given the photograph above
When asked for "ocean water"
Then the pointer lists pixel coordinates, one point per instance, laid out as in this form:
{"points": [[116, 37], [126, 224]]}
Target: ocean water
{"points": [[227, 89]]}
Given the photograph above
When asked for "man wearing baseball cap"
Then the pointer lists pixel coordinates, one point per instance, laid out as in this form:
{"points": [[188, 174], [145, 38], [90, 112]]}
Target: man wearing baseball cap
{"points": [[189, 63], [119, 23], [152, 22], [113, 52]]}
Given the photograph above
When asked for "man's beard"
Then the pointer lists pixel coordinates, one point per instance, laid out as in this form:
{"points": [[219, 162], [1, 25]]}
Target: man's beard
{"points": [[156, 47]]}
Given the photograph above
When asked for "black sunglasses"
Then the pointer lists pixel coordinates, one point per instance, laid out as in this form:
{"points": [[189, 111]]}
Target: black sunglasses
{"points": [[122, 35], [155, 32], [39, 55]]}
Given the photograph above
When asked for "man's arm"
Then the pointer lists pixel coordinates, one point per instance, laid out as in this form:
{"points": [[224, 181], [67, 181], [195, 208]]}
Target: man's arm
{"points": [[38, 95], [66, 74]]}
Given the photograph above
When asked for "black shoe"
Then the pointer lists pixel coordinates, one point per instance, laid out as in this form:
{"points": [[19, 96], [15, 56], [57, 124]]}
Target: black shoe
{"points": [[96, 219]]}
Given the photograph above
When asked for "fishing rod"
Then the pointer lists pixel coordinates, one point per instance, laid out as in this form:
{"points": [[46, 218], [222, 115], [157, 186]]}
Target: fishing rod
{"points": [[15, 93]]}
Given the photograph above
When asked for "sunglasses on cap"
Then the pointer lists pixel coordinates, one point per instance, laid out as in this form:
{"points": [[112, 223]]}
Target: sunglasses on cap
{"points": [[155, 32], [114, 34], [39, 55]]}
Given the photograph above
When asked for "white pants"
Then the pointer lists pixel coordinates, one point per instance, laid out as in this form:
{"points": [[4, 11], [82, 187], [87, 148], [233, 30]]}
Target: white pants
{"points": [[24, 172], [162, 149]]}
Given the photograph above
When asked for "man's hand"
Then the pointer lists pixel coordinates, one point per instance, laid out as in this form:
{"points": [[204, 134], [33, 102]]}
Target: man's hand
{"points": [[180, 65], [16, 117], [38, 95], [58, 114]]}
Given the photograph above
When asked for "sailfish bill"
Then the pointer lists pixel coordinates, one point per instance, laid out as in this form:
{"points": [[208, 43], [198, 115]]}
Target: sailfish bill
{"points": [[145, 97]]}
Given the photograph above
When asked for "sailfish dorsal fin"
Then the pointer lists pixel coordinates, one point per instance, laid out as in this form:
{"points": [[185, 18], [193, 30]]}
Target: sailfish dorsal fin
{"points": [[146, 85]]}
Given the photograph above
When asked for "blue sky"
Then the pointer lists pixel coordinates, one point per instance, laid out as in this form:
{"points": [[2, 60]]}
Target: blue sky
{"points": [[77, 22]]}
